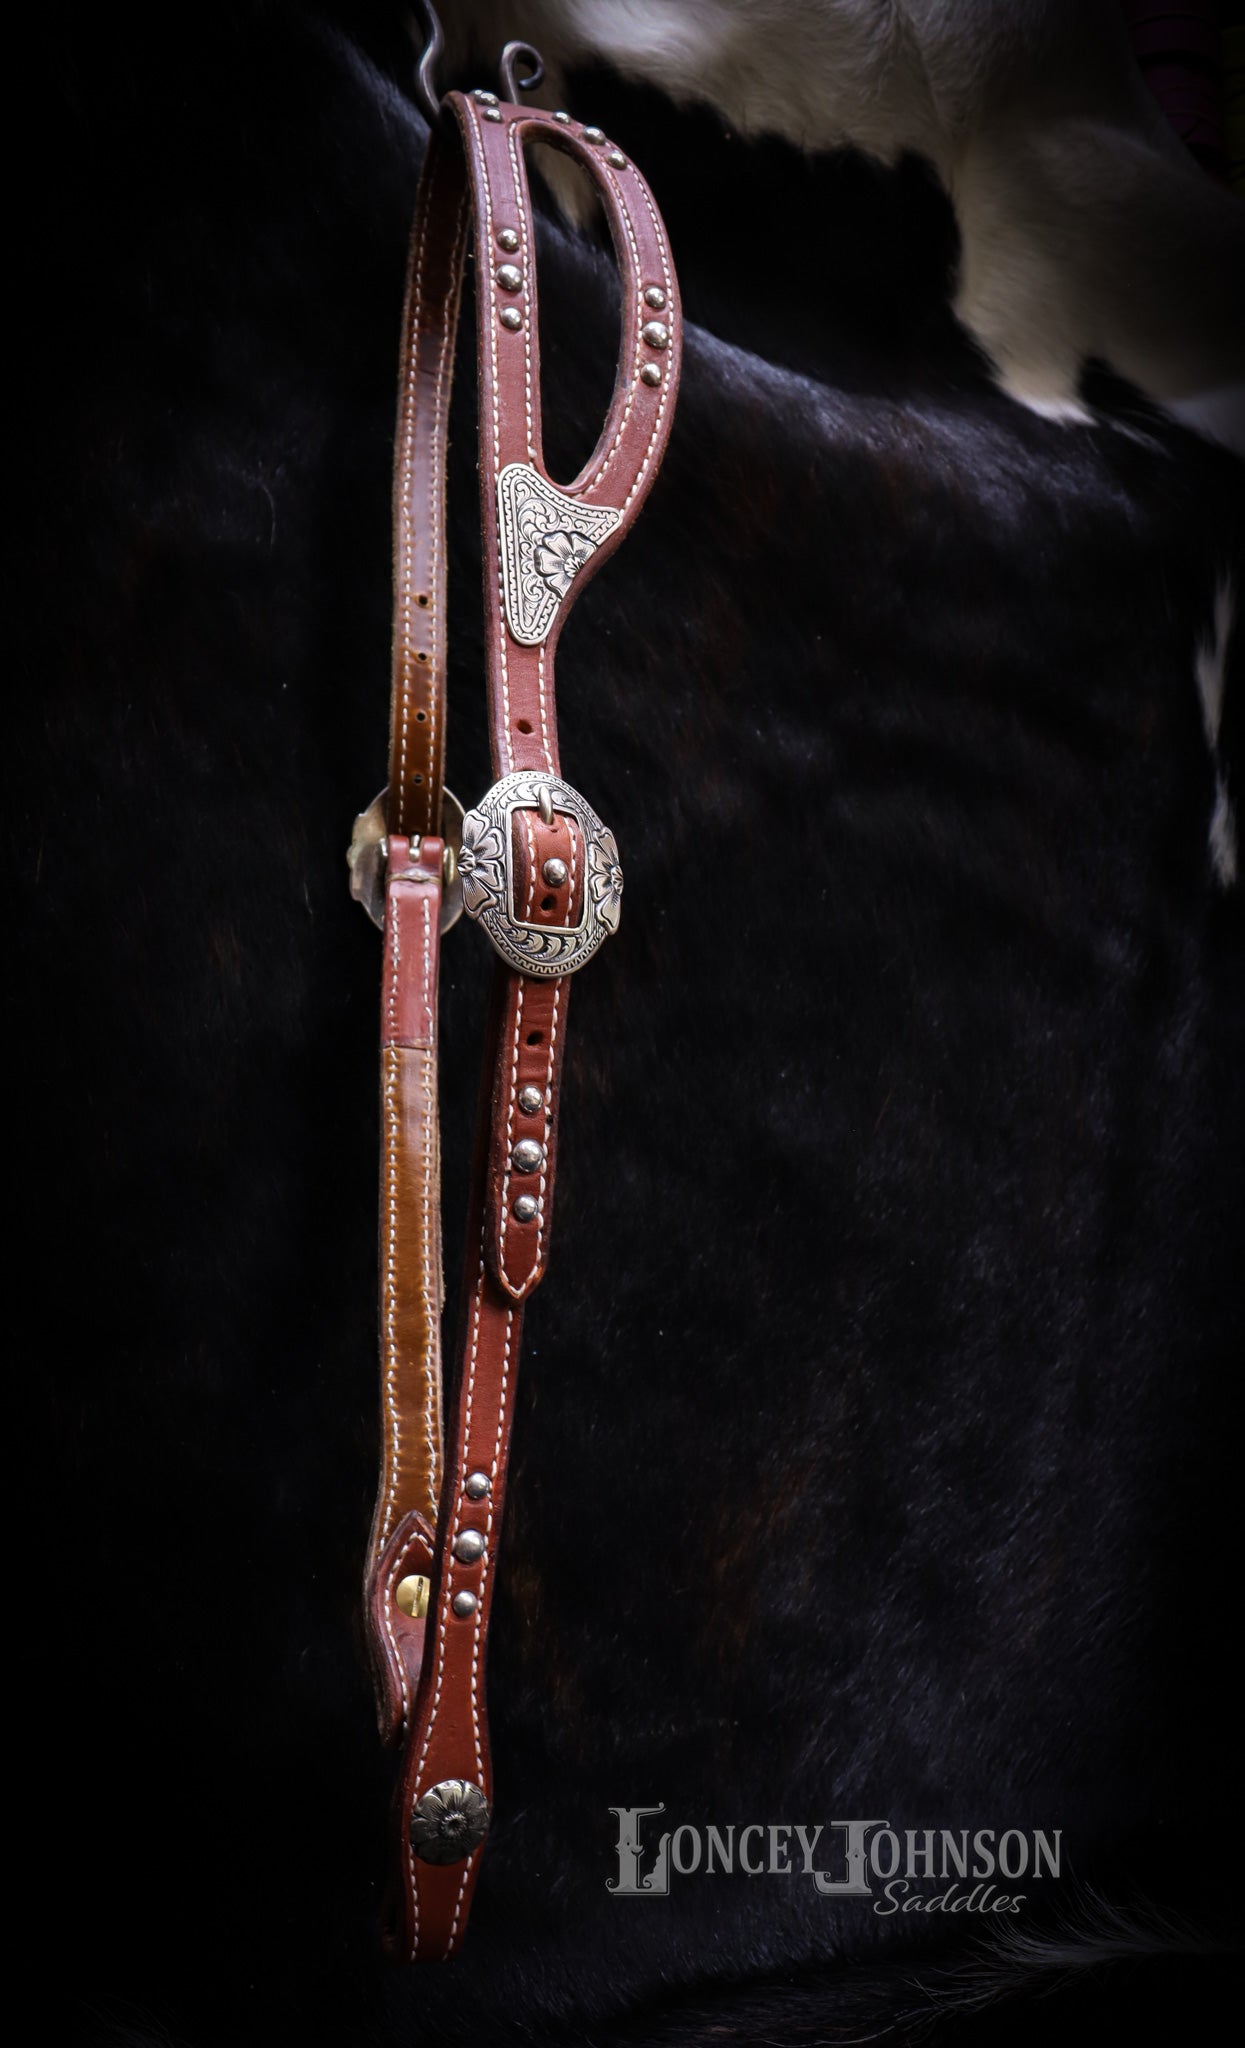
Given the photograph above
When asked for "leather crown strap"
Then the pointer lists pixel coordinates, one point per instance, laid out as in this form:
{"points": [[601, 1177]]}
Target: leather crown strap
{"points": [[541, 873]]}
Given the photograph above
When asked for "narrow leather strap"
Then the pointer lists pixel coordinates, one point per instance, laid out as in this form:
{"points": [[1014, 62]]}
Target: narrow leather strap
{"points": [[411, 1287], [541, 543], [417, 692]]}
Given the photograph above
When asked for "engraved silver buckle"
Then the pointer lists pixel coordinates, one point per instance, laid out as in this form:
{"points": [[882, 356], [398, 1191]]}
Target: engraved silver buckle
{"points": [[486, 870]]}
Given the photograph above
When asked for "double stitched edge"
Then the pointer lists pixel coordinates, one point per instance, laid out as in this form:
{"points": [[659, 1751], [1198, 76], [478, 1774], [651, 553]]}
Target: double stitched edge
{"points": [[541, 874]]}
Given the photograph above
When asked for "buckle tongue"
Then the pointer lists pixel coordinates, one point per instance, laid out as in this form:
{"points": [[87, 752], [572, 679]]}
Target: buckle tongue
{"points": [[486, 870]]}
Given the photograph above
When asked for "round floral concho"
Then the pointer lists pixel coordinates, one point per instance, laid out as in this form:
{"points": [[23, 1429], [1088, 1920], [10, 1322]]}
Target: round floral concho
{"points": [[449, 1822]]}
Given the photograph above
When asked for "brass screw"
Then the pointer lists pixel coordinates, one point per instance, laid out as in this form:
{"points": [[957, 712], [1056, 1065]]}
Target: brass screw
{"points": [[412, 1595]]}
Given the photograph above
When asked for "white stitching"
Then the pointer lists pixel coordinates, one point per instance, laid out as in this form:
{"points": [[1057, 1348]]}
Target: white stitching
{"points": [[431, 1376], [632, 389], [482, 185], [527, 253], [436, 521], [553, 1040], [436, 652], [664, 257], [477, 1624], [405, 547], [392, 1136], [394, 1434], [511, 1093], [447, 1585], [430, 1390], [546, 742], [530, 906], [664, 253]]}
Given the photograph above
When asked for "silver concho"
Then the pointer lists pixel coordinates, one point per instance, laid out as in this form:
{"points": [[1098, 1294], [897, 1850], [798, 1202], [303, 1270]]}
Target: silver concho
{"points": [[486, 869], [449, 1822], [368, 857], [546, 538]]}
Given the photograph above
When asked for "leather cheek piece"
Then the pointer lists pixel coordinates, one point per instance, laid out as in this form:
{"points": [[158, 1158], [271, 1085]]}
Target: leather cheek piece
{"points": [[439, 1511]]}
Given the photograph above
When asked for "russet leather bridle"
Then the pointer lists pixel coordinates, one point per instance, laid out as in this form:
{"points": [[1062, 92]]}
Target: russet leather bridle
{"points": [[540, 872]]}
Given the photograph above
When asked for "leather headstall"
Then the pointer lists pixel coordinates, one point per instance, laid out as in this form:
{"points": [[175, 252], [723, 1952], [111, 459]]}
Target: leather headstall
{"points": [[540, 872]]}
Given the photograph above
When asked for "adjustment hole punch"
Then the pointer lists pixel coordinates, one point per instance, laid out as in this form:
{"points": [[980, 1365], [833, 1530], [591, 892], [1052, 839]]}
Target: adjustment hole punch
{"points": [[524, 725], [535, 1037], [423, 600], [546, 903], [421, 717]]}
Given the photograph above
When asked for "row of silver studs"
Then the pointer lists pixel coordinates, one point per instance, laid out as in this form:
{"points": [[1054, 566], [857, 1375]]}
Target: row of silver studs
{"points": [[528, 1155], [654, 332], [469, 1546], [596, 136], [510, 278]]}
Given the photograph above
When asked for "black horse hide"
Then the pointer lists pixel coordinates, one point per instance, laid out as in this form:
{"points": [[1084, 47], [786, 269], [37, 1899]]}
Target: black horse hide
{"points": [[876, 1451]]}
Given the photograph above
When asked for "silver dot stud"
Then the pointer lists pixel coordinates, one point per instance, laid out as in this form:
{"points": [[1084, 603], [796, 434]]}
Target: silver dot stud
{"points": [[464, 1605], [508, 240], [560, 116], [484, 98], [528, 1155], [655, 333], [651, 374], [554, 871], [511, 317], [655, 297], [595, 135], [469, 1546], [531, 1099], [510, 278], [490, 114], [477, 1487], [616, 159], [525, 1209]]}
